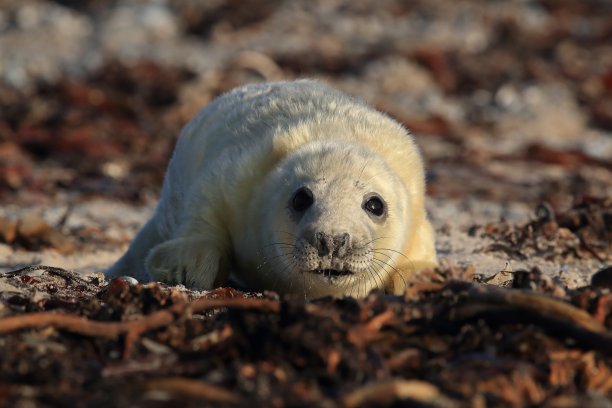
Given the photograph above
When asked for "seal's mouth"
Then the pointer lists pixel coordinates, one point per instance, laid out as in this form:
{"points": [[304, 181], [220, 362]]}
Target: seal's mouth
{"points": [[332, 273]]}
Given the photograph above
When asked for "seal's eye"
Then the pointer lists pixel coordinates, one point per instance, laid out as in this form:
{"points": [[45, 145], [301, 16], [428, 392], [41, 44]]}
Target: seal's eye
{"points": [[375, 206], [302, 199]]}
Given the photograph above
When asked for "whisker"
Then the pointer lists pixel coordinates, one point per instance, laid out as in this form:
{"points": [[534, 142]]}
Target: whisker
{"points": [[381, 265], [369, 276], [348, 282], [361, 172], [403, 280], [397, 271], [304, 285], [385, 171], [380, 280], [365, 289], [286, 268], [384, 284], [373, 240], [392, 250], [278, 243], [381, 253], [354, 286], [286, 232], [310, 280], [385, 263], [291, 267], [266, 259]]}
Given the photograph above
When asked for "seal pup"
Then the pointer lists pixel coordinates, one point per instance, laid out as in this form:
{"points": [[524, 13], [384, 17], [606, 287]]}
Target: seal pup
{"points": [[288, 186]]}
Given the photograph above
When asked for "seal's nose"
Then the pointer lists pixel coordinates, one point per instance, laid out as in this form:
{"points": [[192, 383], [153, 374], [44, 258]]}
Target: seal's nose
{"points": [[338, 245]]}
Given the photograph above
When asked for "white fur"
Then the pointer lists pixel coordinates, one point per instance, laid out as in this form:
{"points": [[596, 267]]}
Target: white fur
{"points": [[225, 203]]}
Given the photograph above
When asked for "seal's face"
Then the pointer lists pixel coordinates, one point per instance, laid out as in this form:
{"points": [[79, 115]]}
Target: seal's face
{"points": [[341, 223]]}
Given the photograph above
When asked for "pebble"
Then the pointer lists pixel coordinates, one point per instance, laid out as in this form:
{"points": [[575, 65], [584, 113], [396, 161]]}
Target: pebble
{"points": [[8, 229], [32, 226]]}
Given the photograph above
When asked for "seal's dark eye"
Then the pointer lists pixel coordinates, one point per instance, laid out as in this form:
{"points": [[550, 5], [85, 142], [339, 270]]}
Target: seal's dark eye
{"points": [[302, 199], [375, 206]]}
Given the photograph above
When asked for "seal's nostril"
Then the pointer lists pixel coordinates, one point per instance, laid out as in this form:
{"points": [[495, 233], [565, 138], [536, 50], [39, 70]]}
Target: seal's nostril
{"points": [[343, 244], [323, 243]]}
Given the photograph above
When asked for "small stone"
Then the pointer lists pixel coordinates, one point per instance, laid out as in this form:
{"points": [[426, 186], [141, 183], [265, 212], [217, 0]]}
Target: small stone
{"points": [[32, 226], [60, 242], [8, 230], [119, 286], [132, 281]]}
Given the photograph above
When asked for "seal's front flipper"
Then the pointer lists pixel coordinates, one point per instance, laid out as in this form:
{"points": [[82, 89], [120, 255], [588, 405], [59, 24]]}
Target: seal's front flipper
{"points": [[132, 262], [188, 261]]}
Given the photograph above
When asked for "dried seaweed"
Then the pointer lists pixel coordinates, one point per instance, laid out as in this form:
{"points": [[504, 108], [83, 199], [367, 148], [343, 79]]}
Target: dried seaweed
{"points": [[511, 346], [584, 231]]}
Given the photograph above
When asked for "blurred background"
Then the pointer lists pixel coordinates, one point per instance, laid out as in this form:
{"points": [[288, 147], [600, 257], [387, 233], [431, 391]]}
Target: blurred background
{"points": [[510, 101]]}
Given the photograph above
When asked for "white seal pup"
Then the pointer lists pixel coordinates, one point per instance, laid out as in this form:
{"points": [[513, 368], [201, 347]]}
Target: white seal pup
{"points": [[291, 186]]}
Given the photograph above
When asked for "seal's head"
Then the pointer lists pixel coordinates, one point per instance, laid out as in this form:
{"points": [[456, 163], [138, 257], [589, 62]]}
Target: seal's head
{"points": [[340, 217]]}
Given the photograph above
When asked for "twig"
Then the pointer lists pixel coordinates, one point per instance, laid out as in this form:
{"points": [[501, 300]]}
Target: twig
{"points": [[86, 327], [498, 305], [82, 325], [26, 269], [536, 303], [194, 389], [151, 365], [67, 275], [385, 392], [64, 218], [262, 305]]}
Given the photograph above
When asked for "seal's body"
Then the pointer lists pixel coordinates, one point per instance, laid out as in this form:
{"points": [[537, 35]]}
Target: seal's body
{"points": [[291, 186]]}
